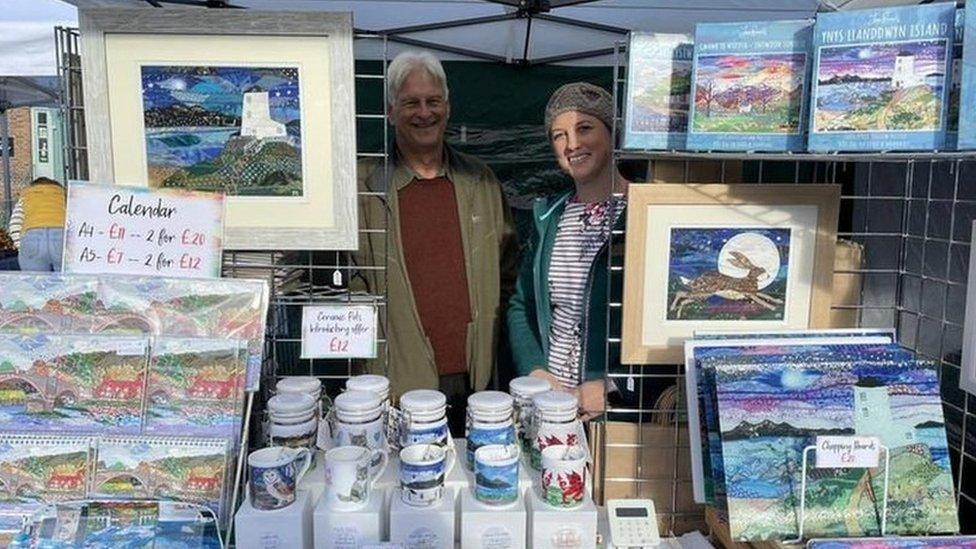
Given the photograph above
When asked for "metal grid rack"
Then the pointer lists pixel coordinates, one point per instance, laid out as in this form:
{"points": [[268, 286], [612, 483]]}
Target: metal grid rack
{"points": [[297, 278], [912, 214], [302, 278], [72, 103]]}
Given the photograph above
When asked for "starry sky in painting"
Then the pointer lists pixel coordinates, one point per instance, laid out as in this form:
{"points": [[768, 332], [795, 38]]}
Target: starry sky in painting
{"points": [[878, 60]]}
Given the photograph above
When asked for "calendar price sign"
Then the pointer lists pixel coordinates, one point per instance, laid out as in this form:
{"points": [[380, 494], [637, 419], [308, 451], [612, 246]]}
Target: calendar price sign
{"points": [[141, 231]]}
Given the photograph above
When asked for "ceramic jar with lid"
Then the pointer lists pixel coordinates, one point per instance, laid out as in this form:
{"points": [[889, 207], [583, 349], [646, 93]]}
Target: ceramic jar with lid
{"points": [[309, 385], [522, 390], [423, 418], [358, 420], [489, 422], [371, 382], [555, 420], [293, 419]]}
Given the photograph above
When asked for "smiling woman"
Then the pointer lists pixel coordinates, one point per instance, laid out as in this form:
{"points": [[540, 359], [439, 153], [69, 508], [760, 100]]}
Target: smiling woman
{"points": [[562, 339]]}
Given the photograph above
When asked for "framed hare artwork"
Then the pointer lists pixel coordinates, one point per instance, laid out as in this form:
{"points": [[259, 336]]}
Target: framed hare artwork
{"points": [[724, 257]]}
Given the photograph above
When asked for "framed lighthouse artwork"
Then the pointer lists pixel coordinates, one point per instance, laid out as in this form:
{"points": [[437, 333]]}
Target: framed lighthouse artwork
{"points": [[254, 105], [724, 257]]}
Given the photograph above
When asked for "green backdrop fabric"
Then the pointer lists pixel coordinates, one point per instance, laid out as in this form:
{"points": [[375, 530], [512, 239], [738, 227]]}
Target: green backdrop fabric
{"points": [[497, 115]]}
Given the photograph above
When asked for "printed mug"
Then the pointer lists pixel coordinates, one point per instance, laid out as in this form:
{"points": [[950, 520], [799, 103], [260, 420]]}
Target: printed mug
{"points": [[275, 474], [435, 432], [496, 474], [423, 470], [370, 435], [348, 476], [487, 434], [563, 475], [549, 433]]}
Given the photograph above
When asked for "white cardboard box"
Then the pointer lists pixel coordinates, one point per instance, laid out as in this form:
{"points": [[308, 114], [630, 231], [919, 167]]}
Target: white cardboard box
{"points": [[287, 528], [486, 526], [552, 528], [458, 477], [423, 527], [350, 529]]}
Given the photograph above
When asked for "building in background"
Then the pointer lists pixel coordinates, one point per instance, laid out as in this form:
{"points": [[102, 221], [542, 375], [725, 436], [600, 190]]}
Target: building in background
{"points": [[35, 149]]}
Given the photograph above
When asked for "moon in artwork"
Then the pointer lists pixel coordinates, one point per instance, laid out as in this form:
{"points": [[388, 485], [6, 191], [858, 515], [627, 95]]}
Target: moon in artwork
{"points": [[792, 379], [759, 249]]}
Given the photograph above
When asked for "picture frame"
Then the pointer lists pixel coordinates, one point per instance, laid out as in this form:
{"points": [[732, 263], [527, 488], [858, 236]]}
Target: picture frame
{"points": [[967, 374], [718, 245], [261, 104]]}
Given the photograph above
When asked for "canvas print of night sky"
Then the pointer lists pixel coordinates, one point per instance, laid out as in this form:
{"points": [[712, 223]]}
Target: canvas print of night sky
{"points": [[752, 93], [769, 413], [706, 360], [235, 130], [728, 273], [895, 86]]}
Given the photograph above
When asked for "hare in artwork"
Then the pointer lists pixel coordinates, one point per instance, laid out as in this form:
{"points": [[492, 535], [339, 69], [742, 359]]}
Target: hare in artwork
{"points": [[712, 283]]}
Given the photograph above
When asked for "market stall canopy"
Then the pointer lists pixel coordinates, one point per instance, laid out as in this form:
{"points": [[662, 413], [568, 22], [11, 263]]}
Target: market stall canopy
{"points": [[27, 91], [522, 31], [27, 36]]}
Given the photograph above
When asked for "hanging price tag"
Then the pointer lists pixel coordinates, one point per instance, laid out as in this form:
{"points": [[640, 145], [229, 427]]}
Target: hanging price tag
{"points": [[839, 452]]}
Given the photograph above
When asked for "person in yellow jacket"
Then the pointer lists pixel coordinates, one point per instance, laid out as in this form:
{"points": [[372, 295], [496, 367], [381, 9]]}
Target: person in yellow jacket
{"points": [[42, 229]]}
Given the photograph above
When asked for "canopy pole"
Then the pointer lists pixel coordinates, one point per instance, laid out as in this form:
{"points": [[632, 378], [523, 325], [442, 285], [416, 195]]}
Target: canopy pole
{"points": [[8, 197]]}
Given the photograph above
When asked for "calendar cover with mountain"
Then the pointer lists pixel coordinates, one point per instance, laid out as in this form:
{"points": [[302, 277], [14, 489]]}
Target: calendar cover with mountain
{"points": [[881, 79], [658, 91], [750, 86]]}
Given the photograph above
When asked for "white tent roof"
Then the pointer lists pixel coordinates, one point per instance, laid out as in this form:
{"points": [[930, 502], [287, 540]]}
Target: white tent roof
{"points": [[27, 35], [502, 30]]}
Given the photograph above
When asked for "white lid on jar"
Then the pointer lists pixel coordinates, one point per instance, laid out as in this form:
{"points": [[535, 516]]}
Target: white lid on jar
{"points": [[423, 405], [556, 404], [299, 384], [527, 386], [290, 403], [358, 406], [357, 400], [369, 382], [490, 402]]}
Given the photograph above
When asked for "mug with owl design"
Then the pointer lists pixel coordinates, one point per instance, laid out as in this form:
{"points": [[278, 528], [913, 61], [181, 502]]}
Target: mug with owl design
{"points": [[349, 478], [563, 475], [275, 473]]}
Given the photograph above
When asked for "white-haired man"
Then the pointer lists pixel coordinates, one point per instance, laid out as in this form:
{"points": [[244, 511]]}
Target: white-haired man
{"points": [[449, 248]]}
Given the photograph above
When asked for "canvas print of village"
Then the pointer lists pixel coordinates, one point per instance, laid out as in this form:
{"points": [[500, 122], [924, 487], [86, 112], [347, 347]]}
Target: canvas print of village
{"points": [[728, 273], [235, 130], [760, 93], [33, 470], [165, 469], [769, 413], [71, 384], [896, 86], [661, 90], [195, 387]]}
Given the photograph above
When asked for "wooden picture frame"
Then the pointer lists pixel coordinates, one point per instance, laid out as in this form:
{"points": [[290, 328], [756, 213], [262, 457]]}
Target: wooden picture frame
{"points": [[967, 375], [715, 240], [292, 178]]}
